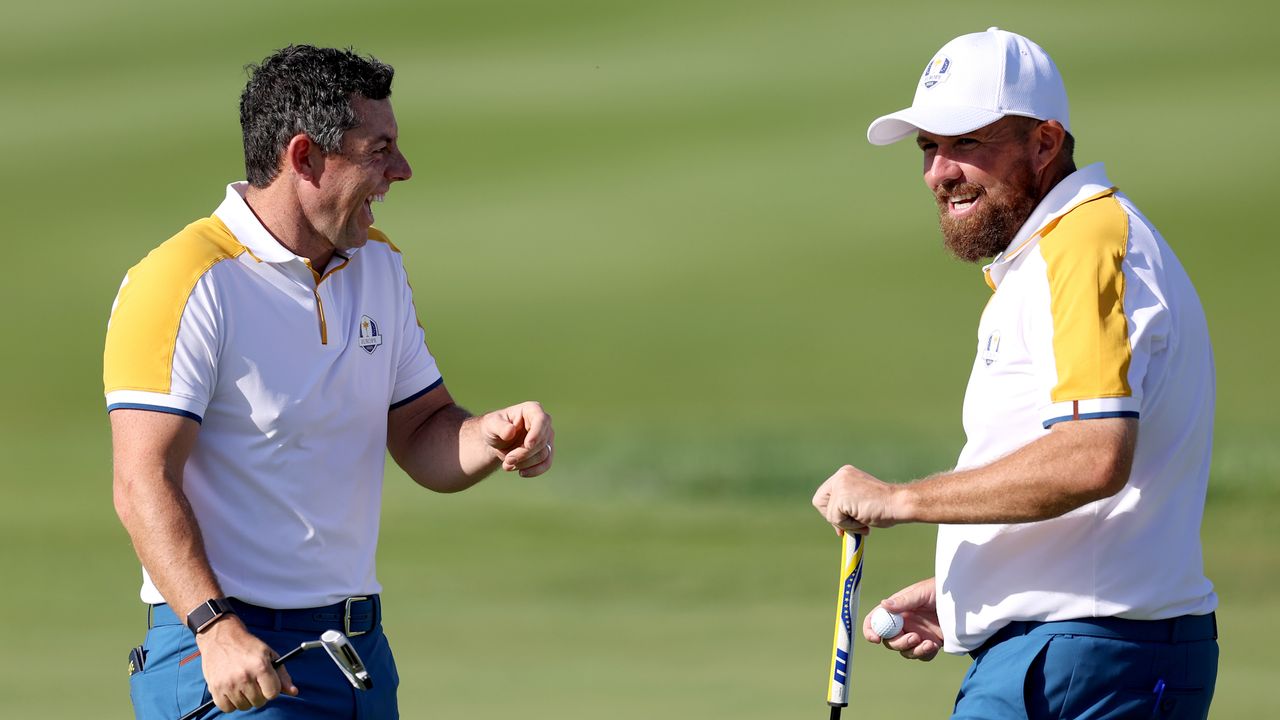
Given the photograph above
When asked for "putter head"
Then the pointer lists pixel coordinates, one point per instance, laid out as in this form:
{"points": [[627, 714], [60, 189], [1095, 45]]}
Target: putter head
{"points": [[345, 657]]}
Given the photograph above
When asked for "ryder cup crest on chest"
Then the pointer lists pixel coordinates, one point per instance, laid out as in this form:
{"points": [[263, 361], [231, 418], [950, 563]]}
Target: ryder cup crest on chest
{"points": [[991, 352], [369, 337]]}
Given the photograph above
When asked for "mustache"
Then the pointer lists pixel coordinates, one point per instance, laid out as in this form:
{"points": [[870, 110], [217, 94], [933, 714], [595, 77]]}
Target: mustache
{"points": [[947, 190]]}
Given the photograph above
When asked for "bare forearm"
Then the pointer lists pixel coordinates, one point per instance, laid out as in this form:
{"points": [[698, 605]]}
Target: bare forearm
{"points": [[444, 448], [167, 539], [1076, 463], [446, 453], [149, 452], [1046, 478]]}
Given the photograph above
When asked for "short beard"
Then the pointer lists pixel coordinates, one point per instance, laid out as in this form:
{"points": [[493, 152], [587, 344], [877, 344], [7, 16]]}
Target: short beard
{"points": [[989, 231]]}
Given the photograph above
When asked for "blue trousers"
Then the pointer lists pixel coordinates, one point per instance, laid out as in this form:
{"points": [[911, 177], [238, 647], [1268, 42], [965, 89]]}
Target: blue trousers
{"points": [[1094, 669], [171, 682]]}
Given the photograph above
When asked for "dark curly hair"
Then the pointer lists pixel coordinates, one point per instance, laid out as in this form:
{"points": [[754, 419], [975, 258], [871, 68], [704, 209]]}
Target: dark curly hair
{"points": [[303, 89]]}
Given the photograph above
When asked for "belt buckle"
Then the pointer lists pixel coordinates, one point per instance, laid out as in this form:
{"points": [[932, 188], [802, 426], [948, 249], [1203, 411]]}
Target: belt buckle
{"points": [[346, 616]]}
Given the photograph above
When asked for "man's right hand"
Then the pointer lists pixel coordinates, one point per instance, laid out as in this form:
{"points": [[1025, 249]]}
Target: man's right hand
{"points": [[237, 667], [921, 637]]}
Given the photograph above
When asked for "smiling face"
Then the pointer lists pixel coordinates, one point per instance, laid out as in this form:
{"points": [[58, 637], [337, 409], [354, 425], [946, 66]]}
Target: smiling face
{"points": [[986, 184], [358, 175]]}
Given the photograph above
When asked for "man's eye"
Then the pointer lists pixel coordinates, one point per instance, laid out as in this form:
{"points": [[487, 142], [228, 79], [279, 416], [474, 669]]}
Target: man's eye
{"points": [[966, 142]]}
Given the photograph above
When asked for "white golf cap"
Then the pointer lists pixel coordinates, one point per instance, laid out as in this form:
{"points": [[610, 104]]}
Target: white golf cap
{"points": [[974, 81]]}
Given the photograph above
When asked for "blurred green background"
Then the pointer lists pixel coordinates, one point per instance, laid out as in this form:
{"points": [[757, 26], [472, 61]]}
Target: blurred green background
{"points": [[662, 220]]}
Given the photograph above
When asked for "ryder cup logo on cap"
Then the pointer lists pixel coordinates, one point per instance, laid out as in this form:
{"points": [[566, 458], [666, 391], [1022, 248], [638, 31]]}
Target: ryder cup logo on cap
{"points": [[975, 80], [936, 71]]}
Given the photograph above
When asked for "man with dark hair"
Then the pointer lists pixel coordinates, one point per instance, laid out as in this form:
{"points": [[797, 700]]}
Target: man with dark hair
{"points": [[304, 90], [1068, 561], [258, 366]]}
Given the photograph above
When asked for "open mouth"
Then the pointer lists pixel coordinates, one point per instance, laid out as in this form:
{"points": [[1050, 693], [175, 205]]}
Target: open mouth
{"points": [[962, 203], [369, 201]]}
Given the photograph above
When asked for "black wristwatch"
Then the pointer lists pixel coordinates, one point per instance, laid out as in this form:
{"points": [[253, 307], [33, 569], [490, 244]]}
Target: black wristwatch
{"points": [[207, 613]]}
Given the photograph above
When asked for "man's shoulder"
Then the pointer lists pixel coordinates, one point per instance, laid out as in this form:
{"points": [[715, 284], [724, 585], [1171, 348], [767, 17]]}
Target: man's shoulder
{"points": [[189, 253], [381, 256], [380, 239], [1098, 226], [157, 292]]}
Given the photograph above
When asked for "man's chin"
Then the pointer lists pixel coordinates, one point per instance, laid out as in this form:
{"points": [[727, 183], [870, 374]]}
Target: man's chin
{"points": [[974, 238], [974, 245], [988, 227]]}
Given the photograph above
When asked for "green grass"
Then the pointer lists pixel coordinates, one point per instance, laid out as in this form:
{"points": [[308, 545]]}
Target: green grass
{"points": [[662, 220], [518, 599]]}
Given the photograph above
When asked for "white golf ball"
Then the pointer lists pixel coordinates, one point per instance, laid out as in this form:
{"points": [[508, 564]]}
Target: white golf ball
{"points": [[886, 624]]}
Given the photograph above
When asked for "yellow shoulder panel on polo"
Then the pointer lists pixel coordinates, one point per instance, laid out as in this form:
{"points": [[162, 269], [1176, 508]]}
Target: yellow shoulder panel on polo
{"points": [[144, 323], [378, 236], [1083, 256]]}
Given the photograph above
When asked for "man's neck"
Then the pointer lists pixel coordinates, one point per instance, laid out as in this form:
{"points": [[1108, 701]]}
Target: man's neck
{"points": [[280, 212], [1053, 175]]}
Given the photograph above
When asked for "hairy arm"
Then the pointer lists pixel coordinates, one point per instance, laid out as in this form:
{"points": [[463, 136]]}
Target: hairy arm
{"points": [[149, 451], [1077, 462], [447, 449]]}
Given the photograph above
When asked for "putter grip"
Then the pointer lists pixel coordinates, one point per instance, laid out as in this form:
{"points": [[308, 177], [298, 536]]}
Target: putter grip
{"points": [[851, 550], [200, 711]]}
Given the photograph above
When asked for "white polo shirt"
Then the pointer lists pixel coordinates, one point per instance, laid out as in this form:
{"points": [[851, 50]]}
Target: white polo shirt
{"points": [[1092, 316], [290, 374]]}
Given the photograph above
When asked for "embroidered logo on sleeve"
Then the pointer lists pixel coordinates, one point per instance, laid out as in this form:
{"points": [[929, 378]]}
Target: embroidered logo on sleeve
{"points": [[369, 337]]}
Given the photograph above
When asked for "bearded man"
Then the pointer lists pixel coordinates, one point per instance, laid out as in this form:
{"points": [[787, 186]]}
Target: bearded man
{"points": [[1068, 559]]}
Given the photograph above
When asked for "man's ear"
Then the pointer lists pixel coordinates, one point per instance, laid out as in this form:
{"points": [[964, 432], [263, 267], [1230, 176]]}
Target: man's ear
{"points": [[304, 158], [1048, 137]]}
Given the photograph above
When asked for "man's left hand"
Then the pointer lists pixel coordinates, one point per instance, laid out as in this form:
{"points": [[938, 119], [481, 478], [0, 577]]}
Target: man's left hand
{"points": [[521, 437], [853, 501]]}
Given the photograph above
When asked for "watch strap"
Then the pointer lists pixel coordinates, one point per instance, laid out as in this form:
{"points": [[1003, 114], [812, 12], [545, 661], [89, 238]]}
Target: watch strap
{"points": [[207, 613]]}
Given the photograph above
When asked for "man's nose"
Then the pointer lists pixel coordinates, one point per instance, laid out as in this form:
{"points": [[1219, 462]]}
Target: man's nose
{"points": [[940, 169], [400, 169]]}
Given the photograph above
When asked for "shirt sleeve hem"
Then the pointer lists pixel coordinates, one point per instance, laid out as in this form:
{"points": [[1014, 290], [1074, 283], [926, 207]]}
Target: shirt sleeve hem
{"points": [[155, 408], [1090, 409], [175, 403], [400, 403]]}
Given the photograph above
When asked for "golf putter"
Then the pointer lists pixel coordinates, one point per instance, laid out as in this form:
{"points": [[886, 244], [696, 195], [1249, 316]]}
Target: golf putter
{"points": [[338, 648]]}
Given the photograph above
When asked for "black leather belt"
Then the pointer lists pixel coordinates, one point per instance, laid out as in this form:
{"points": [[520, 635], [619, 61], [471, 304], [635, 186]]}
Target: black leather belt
{"points": [[353, 616]]}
